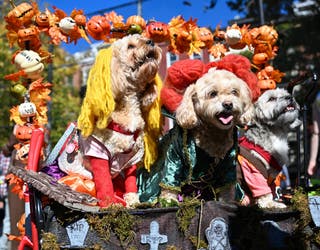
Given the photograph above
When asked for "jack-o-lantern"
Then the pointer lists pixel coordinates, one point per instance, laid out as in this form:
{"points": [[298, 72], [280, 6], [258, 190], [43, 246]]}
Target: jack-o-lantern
{"points": [[20, 15], [98, 27], [80, 20], [206, 36], [28, 34], [135, 19], [23, 132], [42, 20], [268, 33], [158, 31]]}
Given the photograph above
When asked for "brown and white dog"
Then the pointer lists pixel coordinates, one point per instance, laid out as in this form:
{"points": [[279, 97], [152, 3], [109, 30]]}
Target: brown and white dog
{"points": [[120, 117], [264, 148], [197, 156]]}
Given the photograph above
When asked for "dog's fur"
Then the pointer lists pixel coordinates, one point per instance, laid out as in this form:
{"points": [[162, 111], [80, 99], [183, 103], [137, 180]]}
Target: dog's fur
{"points": [[134, 66], [210, 110], [212, 107], [275, 114]]}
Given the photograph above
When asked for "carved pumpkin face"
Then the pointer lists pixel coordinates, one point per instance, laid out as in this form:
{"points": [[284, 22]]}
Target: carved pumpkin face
{"points": [[42, 19], [138, 20], [206, 36], [28, 34], [23, 132], [266, 84], [98, 27], [80, 20], [158, 31], [20, 15]]}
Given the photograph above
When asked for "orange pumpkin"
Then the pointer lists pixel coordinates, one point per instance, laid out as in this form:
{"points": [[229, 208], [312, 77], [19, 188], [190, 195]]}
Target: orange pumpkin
{"points": [[28, 34], [157, 31], [266, 84], [23, 132], [137, 20], [42, 20], [260, 58], [206, 36], [80, 20], [20, 15], [98, 27]]}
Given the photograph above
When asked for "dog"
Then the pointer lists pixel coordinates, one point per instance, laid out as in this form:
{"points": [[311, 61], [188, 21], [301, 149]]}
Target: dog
{"points": [[264, 148], [197, 155], [120, 116]]}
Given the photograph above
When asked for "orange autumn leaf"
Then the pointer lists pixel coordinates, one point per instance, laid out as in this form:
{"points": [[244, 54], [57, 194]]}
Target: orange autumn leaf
{"points": [[18, 185]]}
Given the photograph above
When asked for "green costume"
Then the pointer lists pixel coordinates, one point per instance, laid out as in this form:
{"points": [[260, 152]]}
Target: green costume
{"points": [[187, 169]]}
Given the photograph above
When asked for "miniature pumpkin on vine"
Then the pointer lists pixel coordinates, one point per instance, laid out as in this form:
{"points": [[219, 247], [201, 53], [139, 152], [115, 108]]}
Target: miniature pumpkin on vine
{"points": [[138, 20]]}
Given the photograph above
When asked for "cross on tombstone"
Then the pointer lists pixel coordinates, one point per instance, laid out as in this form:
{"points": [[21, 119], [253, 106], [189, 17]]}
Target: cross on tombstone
{"points": [[154, 238]]}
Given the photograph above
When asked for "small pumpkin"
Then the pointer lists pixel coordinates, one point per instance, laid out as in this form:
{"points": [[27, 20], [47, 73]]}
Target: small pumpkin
{"points": [[28, 34], [23, 132], [260, 58], [157, 31], [42, 20], [266, 84], [21, 15], [136, 19], [206, 36], [98, 27]]}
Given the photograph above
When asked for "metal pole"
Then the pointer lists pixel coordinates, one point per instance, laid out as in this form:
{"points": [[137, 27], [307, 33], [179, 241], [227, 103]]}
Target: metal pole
{"points": [[139, 8], [261, 12]]}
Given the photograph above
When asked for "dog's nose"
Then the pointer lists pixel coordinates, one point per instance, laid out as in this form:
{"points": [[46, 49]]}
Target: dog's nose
{"points": [[150, 42], [227, 105]]}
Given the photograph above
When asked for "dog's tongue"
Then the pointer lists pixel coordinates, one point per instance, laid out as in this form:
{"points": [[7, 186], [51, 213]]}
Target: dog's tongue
{"points": [[225, 119]]}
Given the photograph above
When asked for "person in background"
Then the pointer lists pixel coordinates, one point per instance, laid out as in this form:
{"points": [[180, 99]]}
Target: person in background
{"points": [[314, 140], [4, 206]]}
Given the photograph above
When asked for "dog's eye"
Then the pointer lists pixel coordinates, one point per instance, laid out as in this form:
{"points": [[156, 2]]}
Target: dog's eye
{"points": [[131, 46], [235, 92], [272, 99], [213, 94]]}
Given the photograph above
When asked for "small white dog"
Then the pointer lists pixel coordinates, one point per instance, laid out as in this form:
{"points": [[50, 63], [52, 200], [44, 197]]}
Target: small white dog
{"points": [[265, 144]]}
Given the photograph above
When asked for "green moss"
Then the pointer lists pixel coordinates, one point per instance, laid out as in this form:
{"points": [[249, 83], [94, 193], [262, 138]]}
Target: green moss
{"points": [[186, 212], [200, 244], [116, 220], [49, 242], [173, 248]]}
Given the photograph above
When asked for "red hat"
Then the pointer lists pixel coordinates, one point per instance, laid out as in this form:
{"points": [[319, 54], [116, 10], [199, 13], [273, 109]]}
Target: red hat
{"points": [[185, 72], [179, 76]]}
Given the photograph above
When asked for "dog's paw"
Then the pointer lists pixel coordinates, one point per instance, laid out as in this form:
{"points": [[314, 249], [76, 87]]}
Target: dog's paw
{"points": [[131, 199], [168, 198], [266, 201]]}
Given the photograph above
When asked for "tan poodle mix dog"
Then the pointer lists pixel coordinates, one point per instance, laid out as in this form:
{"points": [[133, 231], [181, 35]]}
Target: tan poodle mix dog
{"points": [[120, 118], [197, 157], [264, 148], [212, 107]]}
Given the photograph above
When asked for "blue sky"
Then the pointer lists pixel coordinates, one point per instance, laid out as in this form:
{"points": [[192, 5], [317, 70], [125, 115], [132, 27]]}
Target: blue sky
{"points": [[161, 10]]}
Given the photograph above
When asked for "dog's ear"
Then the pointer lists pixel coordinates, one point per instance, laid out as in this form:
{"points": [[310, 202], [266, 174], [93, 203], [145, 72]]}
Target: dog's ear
{"points": [[186, 116], [248, 107]]}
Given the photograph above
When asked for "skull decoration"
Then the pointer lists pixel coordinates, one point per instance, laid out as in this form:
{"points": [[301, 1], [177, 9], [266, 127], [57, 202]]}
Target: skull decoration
{"points": [[27, 109], [30, 62]]}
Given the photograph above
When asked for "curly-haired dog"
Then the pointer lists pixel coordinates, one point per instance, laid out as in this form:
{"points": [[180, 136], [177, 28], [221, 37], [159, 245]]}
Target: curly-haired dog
{"points": [[264, 148], [197, 156], [120, 118]]}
